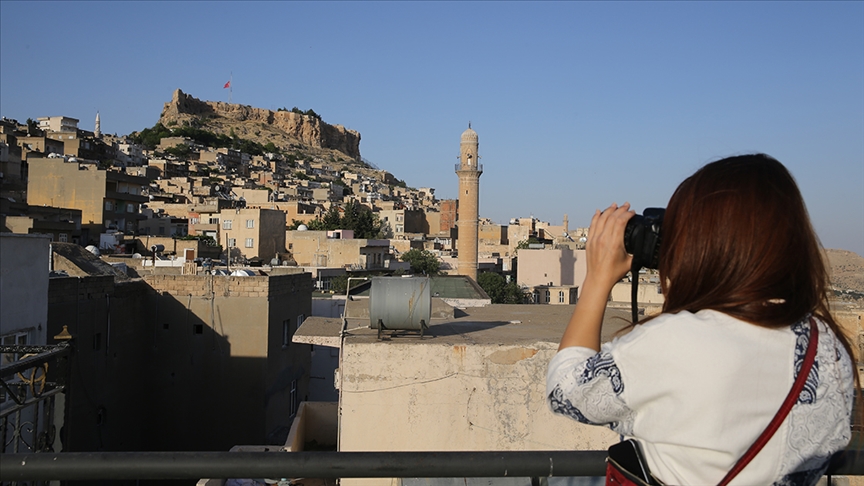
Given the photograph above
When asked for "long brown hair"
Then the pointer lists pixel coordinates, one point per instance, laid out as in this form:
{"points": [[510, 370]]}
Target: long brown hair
{"points": [[737, 239]]}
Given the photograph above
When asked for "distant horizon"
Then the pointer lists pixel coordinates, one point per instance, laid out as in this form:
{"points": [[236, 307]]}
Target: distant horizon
{"points": [[577, 104]]}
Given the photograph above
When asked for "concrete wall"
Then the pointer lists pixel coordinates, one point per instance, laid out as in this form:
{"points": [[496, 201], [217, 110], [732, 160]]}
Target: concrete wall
{"points": [[182, 362], [313, 248], [451, 398], [24, 285], [53, 182], [561, 267], [647, 293]]}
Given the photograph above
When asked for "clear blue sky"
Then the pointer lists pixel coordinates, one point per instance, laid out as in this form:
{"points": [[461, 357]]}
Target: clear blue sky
{"points": [[577, 104]]}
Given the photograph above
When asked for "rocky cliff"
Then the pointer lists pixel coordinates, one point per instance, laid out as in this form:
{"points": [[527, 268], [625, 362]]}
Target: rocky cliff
{"points": [[284, 128]]}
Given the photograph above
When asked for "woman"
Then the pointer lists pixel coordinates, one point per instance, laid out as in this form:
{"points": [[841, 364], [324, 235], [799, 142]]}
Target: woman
{"points": [[742, 272]]}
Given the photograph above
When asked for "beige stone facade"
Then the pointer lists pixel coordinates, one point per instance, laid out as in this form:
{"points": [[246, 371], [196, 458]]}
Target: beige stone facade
{"points": [[107, 199], [212, 353], [551, 267], [316, 249], [252, 232]]}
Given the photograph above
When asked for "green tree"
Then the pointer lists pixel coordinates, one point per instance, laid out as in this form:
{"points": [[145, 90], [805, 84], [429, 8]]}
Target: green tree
{"points": [[339, 284], [499, 290], [181, 151], [33, 128], [422, 261]]}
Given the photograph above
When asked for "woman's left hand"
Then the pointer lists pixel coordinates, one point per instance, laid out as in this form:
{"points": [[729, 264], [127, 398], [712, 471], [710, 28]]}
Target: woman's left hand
{"points": [[607, 260]]}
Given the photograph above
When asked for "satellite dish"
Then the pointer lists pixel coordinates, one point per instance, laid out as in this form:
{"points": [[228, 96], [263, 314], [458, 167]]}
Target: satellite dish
{"points": [[92, 249], [302, 227]]}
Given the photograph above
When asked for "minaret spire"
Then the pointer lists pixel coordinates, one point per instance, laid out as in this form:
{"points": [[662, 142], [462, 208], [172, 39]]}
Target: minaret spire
{"points": [[97, 131]]}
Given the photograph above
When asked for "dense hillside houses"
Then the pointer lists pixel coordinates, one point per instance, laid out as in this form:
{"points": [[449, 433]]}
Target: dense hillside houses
{"points": [[233, 194]]}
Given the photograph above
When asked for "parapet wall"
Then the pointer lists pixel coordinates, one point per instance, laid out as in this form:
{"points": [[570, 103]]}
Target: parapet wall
{"points": [[71, 289], [254, 286]]}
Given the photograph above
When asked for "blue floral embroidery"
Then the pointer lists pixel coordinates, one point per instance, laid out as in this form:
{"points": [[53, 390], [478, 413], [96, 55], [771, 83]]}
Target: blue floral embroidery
{"points": [[802, 332], [602, 364], [563, 406], [802, 478]]}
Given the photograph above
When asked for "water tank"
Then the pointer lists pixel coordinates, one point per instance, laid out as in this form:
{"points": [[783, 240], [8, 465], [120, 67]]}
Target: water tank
{"points": [[397, 303]]}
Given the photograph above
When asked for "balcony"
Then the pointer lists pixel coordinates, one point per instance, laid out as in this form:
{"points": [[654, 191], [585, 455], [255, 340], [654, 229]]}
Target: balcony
{"points": [[125, 196], [479, 168]]}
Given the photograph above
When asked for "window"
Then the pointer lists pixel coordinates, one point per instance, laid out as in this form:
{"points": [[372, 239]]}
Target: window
{"points": [[109, 206], [19, 338], [548, 297], [214, 220], [130, 208], [292, 399], [194, 220], [198, 328], [232, 242], [161, 230], [250, 242], [286, 332], [300, 319], [63, 238], [250, 223], [561, 296], [226, 224]]}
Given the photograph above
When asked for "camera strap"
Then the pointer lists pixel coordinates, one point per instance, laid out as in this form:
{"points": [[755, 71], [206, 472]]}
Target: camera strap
{"points": [[634, 289]]}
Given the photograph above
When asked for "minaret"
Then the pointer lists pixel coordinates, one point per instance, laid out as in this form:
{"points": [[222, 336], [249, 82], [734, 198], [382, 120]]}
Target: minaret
{"points": [[97, 132], [469, 170]]}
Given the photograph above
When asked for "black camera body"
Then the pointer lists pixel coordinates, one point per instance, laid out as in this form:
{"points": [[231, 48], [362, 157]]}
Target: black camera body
{"points": [[642, 237]]}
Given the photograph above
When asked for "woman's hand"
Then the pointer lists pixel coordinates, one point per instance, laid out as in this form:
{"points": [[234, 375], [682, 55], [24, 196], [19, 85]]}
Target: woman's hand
{"points": [[607, 262]]}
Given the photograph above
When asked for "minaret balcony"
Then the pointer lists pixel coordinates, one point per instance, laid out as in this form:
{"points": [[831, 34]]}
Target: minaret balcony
{"points": [[473, 168]]}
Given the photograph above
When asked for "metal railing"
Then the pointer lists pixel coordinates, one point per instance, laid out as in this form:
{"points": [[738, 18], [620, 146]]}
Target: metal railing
{"points": [[29, 386], [196, 465]]}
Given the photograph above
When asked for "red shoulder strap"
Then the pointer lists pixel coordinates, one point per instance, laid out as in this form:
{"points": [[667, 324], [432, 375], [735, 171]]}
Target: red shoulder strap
{"points": [[778, 419]]}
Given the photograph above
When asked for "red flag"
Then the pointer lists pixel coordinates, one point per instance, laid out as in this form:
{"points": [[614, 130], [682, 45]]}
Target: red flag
{"points": [[227, 85]]}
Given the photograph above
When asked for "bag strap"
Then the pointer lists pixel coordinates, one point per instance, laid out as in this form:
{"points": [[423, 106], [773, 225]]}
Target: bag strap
{"points": [[791, 398]]}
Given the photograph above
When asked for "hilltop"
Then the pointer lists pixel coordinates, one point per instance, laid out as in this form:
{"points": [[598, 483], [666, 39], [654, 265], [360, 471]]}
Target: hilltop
{"points": [[288, 130], [846, 272]]}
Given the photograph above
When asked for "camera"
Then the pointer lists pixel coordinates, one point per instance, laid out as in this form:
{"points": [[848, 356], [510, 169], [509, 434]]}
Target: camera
{"points": [[642, 237]]}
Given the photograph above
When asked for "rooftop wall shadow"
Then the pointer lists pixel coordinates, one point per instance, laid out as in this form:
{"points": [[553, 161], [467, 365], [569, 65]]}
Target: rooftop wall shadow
{"points": [[180, 363]]}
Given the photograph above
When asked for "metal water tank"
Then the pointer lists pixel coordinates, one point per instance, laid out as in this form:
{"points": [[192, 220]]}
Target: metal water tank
{"points": [[400, 304]]}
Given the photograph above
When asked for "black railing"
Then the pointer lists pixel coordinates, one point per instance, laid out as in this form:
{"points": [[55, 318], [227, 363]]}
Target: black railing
{"points": [[30, 381], [196, 465]]}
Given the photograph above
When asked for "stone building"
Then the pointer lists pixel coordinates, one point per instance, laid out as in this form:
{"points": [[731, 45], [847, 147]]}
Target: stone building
{"points": [[184, 363], [107, 199], [252, 232]]}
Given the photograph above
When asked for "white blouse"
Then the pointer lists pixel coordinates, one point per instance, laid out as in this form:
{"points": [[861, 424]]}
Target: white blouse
{"points": [[698, 389]]}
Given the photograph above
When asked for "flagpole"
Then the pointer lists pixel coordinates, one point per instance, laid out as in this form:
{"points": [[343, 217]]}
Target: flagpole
{"points": [[231, 88]]}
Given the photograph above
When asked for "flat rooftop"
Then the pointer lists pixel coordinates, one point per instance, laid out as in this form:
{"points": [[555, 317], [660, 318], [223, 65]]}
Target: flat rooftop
{"points": [[496, 324]]}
